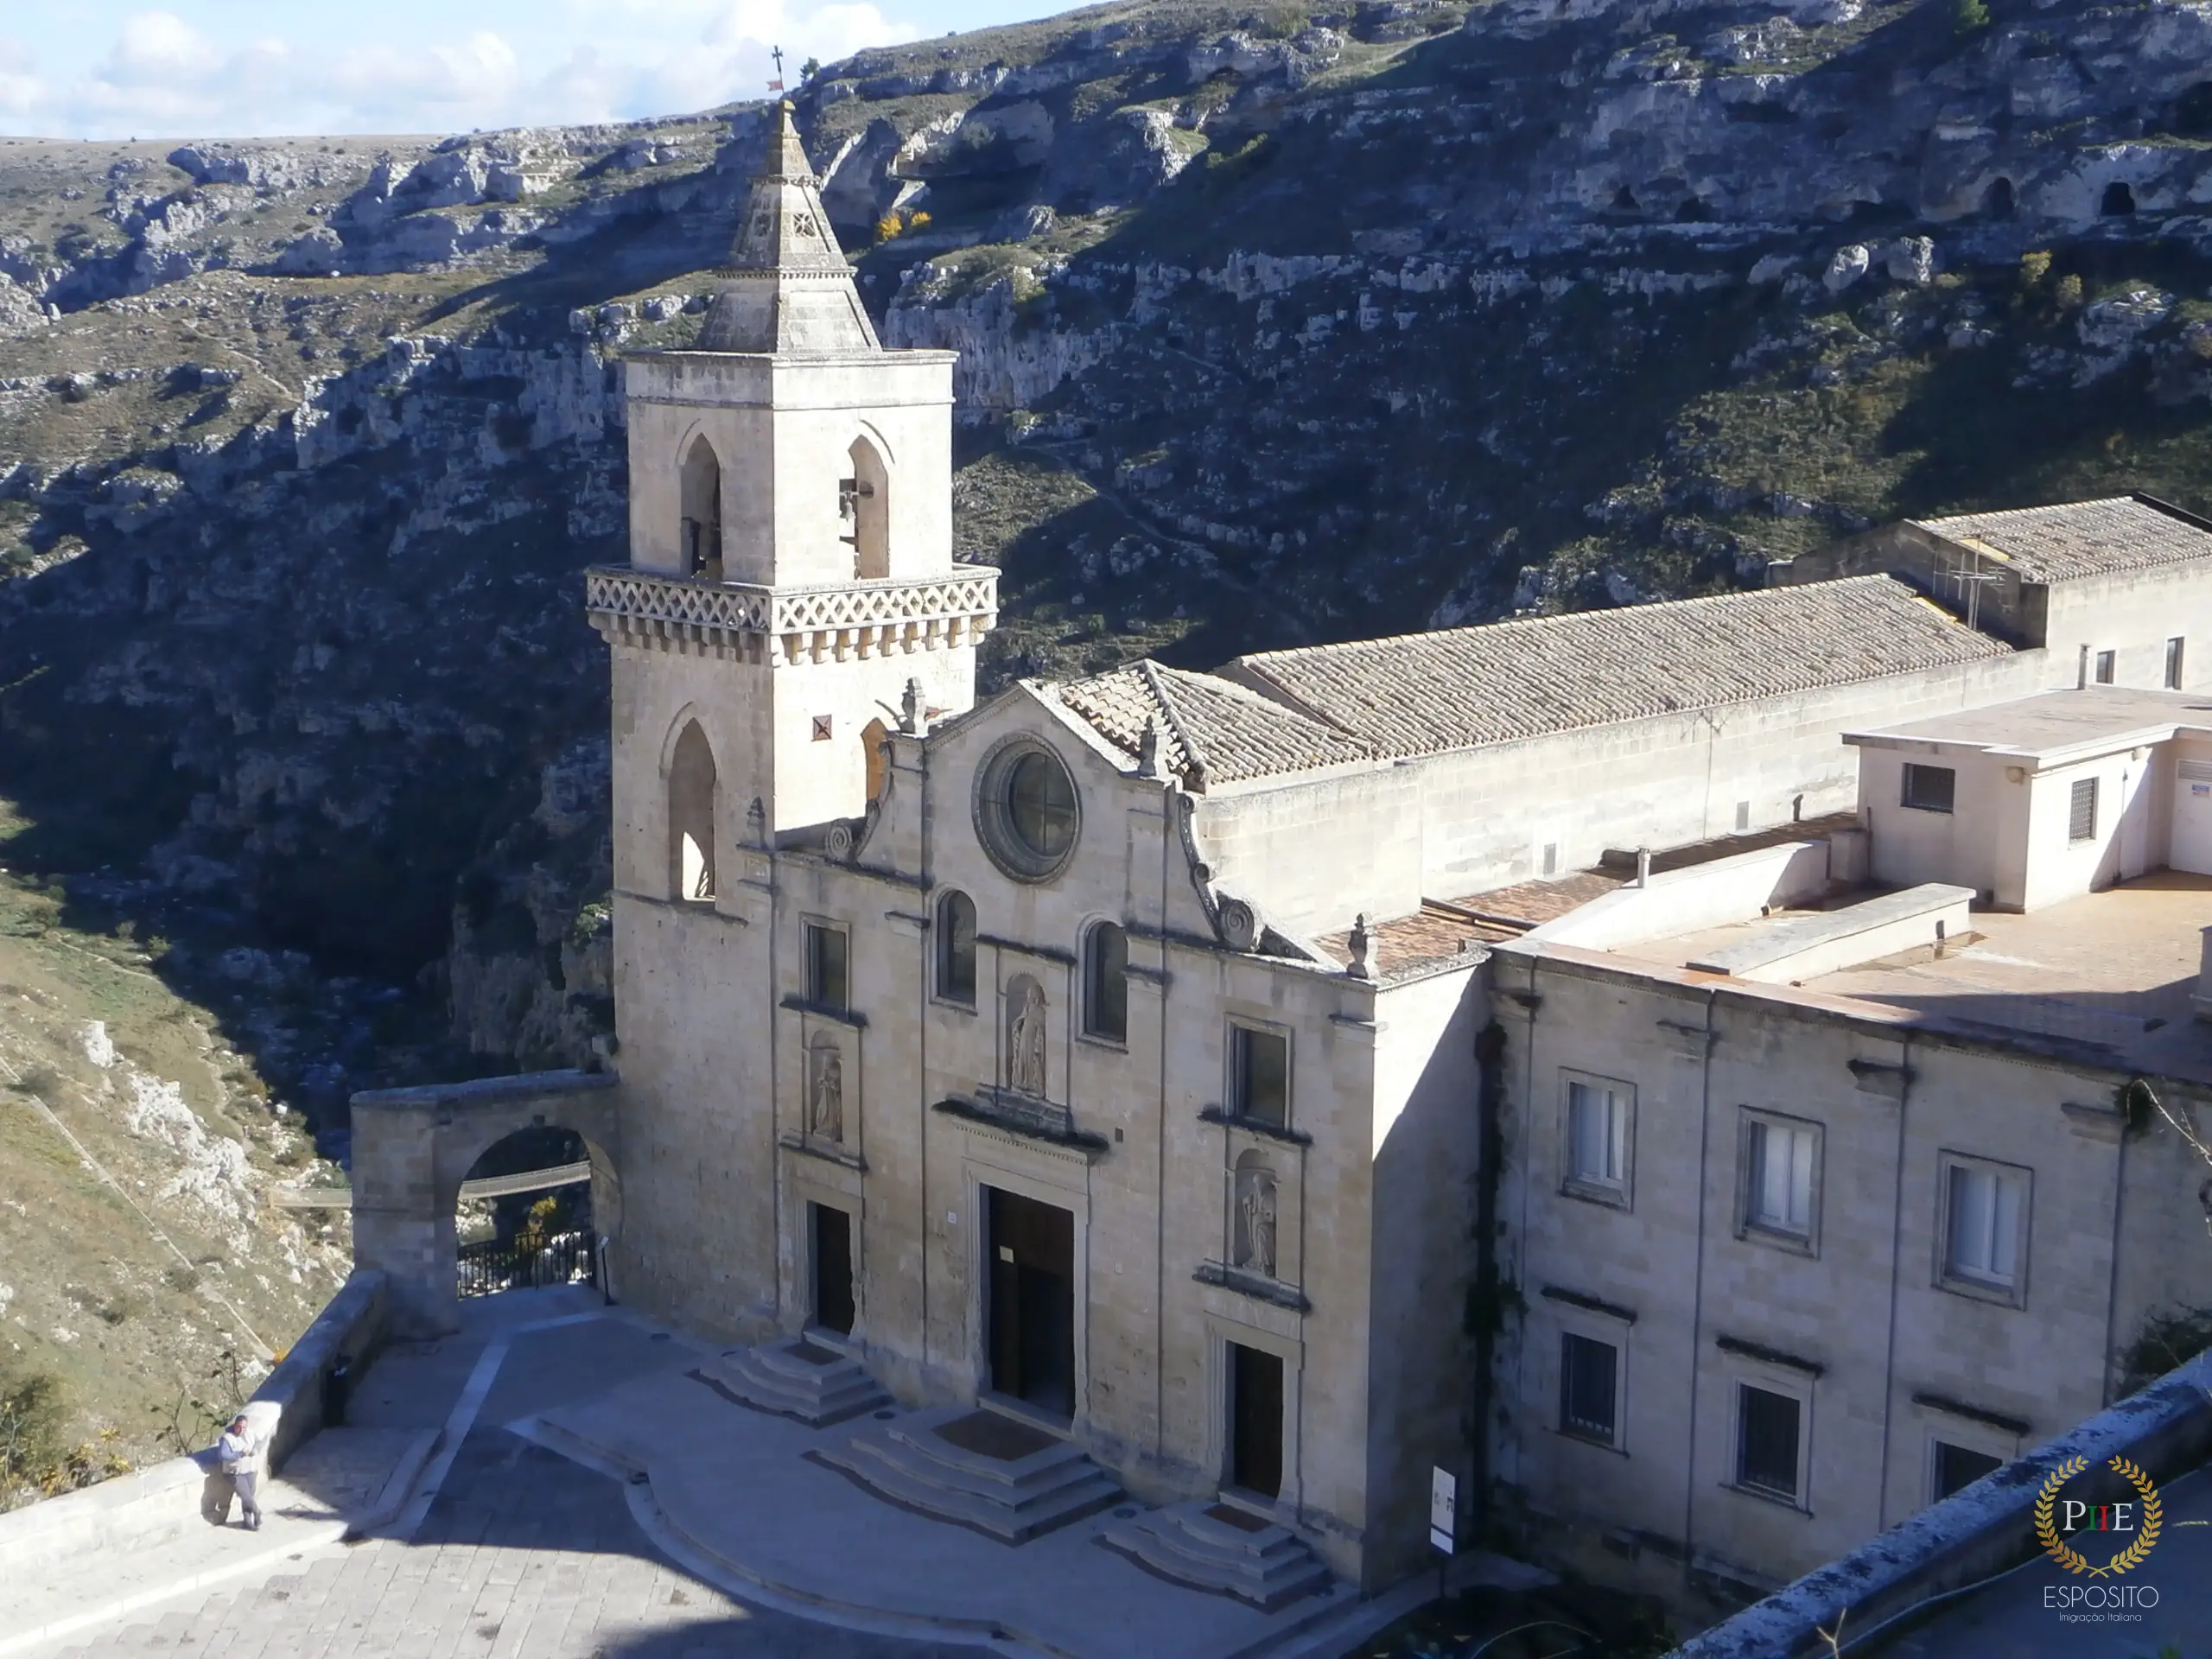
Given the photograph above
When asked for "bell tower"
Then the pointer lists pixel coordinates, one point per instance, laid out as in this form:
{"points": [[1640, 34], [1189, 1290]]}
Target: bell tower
{"points": [[790, 552]]}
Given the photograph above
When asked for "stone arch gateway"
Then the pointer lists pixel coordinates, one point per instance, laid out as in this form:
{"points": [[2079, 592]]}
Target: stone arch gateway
{"points": [[412, 1148]]}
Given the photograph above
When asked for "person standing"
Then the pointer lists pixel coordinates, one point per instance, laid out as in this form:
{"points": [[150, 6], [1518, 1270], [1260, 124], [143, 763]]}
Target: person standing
{"points": [[234, 1457]]}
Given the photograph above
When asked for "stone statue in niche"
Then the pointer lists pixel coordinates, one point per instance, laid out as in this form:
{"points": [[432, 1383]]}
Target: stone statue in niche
{"points": [[1255, 1217], [1025, 1038], [825, 1091]]}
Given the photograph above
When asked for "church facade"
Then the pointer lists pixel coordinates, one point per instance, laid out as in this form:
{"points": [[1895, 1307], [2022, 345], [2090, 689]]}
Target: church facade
{"points": [[1104, 1055]]}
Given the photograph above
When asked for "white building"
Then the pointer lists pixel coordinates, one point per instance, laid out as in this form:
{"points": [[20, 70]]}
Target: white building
{"points": [[1258, 1088]]}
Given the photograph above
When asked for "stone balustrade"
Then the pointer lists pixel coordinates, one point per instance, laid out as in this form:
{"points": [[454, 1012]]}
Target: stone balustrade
{"points": [[851, 620]]}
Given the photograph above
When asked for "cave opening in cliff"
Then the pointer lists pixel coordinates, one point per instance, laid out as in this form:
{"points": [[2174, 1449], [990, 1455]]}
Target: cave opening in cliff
{"points": [[1998, 200], [2120, 201], [1624, 200]]}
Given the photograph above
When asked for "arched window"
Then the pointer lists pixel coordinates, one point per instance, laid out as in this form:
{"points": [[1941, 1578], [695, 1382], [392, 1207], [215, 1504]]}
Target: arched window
{"points": [[865, 499], [955, 947], [1106, 982], [700, 541], [691, 817]]}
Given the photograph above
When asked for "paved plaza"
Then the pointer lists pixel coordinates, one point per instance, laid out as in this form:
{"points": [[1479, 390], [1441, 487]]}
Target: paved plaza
{"points": [[558, 1484]]}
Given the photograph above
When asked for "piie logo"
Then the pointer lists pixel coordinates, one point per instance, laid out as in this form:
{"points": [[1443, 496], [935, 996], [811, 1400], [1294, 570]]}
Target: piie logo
{"points": [[2056, 1521]]}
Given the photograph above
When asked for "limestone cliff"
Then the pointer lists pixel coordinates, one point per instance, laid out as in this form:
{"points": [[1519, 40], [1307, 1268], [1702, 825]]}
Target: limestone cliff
{"points": [[1275, 325]]}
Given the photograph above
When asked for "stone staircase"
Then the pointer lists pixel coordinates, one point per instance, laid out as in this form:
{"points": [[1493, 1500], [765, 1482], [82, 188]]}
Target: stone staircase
{"points": [[800, 1378], [980, 1469], [1220, 1549]]}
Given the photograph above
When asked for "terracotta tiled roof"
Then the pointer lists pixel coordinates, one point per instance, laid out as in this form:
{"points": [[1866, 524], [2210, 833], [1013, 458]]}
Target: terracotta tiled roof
{"points": [[2080, 538], [1424, 693], [1228, 730]]}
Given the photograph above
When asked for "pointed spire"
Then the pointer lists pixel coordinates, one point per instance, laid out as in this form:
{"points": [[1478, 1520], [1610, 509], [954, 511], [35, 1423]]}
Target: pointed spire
{"points": [[786, 288]]}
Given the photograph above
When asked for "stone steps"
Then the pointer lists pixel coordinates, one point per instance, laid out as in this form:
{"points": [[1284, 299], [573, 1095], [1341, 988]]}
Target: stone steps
{"points": [[800, 1379], [1215, 1547], [979, 1468]]}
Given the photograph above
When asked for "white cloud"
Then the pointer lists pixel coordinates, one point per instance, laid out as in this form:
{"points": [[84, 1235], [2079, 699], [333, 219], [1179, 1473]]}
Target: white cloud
{"points": [[23, 93], [589, 61]]}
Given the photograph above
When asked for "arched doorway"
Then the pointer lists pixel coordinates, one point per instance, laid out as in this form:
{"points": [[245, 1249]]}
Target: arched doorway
{"points": [[524, 1217], [413, 1149]]}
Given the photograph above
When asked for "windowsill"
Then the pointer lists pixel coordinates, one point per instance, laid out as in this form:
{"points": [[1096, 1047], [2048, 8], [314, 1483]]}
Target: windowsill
{"points": [[1613, 1197], [1111, 1045], [1943, 811], [1979, 1291], [1282, 1132], [953, 1005], [1777, 1500], [843, 1016], [1592, 1441], [1774, 1238]]}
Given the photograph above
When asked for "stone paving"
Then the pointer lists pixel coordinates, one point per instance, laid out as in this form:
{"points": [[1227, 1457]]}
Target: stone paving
{"points": [[672, 1524], [523, 1553]]}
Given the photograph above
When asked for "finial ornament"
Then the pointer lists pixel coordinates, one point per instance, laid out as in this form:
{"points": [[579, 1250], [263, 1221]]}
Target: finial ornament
{"points": [[1361, 943], [1148, 749], [913, 713]]}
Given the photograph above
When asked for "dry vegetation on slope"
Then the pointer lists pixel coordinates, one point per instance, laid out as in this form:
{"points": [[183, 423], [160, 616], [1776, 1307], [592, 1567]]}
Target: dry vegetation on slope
{"points": [[144, 1278]]}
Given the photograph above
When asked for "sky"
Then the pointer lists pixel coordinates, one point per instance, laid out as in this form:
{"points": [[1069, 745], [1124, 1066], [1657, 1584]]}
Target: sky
{"points": [[245, 68]]}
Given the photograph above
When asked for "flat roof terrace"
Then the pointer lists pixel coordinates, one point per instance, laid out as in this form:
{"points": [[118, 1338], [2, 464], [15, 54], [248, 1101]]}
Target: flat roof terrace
{"points": [[2112, 969], [2057, 726]]}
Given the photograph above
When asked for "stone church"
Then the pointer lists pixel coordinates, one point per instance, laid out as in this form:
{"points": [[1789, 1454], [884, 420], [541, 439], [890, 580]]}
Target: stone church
{"points": [[1262, 1087]]}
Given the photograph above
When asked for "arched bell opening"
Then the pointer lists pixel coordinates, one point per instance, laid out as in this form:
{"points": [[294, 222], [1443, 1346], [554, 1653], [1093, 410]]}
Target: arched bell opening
{"points": [[691, 839], [864, 501], [700, 540]]}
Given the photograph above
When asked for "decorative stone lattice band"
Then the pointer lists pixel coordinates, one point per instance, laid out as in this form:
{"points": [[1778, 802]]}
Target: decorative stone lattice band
{"points": [[779, 625]]}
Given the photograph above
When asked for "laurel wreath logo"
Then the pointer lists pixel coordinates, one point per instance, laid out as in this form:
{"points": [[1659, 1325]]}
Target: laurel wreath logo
{"points": [[2072, 1559]]}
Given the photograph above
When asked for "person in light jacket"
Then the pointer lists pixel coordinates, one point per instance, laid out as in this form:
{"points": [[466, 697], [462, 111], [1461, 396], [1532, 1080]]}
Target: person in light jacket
{"points": [[235, 1456]]}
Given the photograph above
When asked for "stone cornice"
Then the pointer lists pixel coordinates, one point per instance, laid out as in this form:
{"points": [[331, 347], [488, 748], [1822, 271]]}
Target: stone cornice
{"points": [[850, 621]]}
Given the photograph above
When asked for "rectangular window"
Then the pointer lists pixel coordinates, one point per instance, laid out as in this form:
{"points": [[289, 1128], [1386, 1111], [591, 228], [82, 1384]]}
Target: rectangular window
{"points": [[1780, 1157], [2081, 811], [1931, 789], [1766, 1440], [1588, 1373], [1984, 1211], [1597, 1136], [2106, 661], [1260, 1079], [1958, 1468], [826, 965], [2173, 664]]}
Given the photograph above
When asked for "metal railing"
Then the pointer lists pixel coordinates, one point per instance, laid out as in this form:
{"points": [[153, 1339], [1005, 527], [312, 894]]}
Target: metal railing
{"points": [[521, 1263]]}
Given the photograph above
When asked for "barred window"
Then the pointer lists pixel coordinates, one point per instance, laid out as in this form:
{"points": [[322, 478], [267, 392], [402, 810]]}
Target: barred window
{"points": [[2081, 811], [1588, 1371]]}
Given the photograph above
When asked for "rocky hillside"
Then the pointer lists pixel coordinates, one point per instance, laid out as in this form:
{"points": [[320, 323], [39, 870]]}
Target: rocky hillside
{"points": [[1278, 324], [146, 1277]]}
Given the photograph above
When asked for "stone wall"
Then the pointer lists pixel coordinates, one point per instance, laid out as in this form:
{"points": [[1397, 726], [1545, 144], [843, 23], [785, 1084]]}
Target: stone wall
{"points": [[1698, 1302]]}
